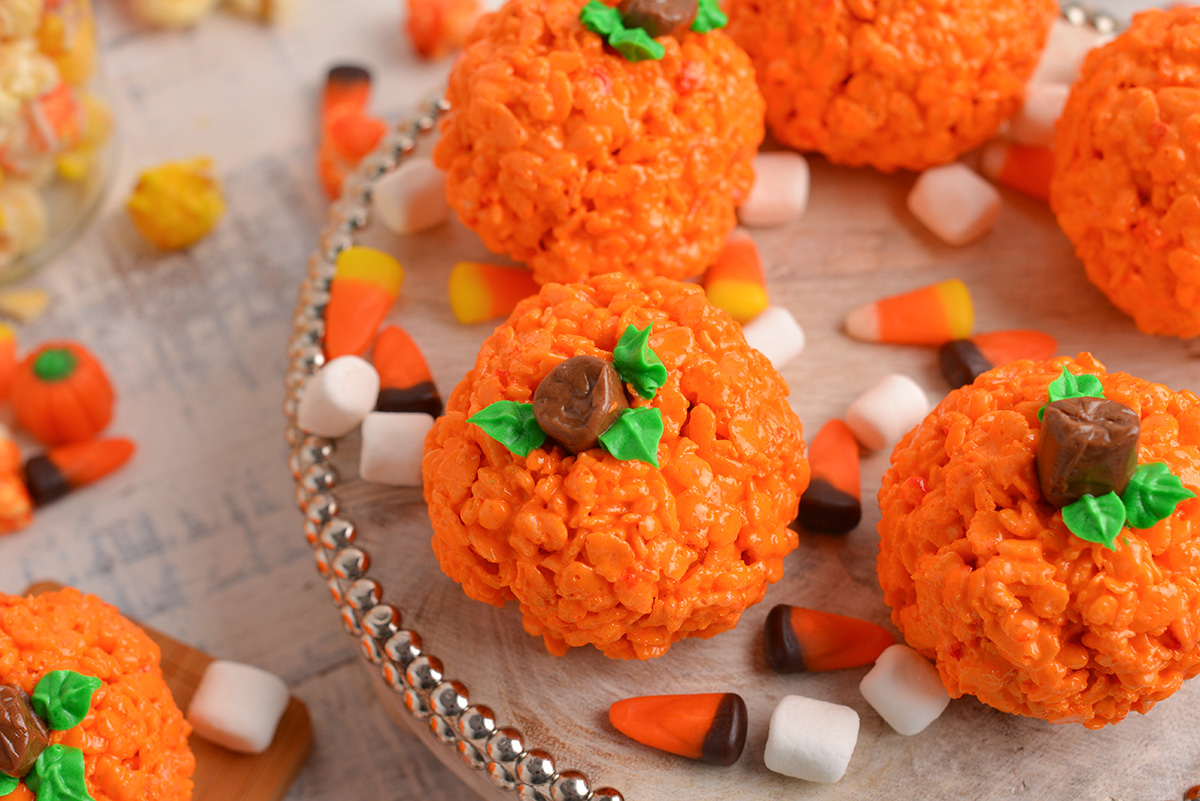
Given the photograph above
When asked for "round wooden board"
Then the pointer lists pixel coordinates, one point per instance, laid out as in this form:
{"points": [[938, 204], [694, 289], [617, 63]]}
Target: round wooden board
{"points": [[856, 243]]}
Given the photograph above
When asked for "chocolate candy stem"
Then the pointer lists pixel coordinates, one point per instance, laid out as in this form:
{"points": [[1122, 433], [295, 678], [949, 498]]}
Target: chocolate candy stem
{"points": [[1088, 447], [23, 735], [578, 401]]}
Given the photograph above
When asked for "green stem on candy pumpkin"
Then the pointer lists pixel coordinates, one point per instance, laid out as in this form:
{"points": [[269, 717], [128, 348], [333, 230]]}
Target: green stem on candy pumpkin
{"points": [[55, 364]]}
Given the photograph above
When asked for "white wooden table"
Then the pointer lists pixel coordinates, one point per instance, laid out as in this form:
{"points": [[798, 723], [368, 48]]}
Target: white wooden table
{"points": [[200, 536]]}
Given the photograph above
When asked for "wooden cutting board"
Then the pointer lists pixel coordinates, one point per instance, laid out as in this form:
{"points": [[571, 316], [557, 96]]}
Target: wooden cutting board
{"points": [[221, 774], [856, 243]]}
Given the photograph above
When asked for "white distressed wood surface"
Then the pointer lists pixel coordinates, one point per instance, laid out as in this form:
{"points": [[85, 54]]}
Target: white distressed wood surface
{"points": [[855, 244]]}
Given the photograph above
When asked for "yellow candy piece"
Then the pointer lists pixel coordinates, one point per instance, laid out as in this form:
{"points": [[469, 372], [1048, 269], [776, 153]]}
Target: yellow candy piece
{"points": [[480, 292], [176, 203], [24, 305], [368, 264]]}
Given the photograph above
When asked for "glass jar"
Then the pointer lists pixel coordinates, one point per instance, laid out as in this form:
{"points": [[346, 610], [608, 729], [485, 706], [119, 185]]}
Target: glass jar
{"points": [[56, 133]]}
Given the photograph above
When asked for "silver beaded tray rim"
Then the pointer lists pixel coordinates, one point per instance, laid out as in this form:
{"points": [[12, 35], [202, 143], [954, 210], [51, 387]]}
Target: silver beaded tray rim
{"points": [[417, 676]]}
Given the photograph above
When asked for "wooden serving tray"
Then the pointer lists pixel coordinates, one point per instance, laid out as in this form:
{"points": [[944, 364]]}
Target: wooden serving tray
{"points": [[855, 244], [221, 774]]}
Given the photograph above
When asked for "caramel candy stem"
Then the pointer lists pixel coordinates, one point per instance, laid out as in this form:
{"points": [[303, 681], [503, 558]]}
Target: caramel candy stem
{"points": [[659, 17], [578, 401], [23, 735], [1088, 447]]}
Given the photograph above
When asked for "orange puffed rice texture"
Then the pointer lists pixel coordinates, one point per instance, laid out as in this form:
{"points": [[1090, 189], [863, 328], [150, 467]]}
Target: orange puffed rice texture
{"points": [[564, 155], [890, 83], [1126, 184], [134, 738], [619, 554], [983, 576]]}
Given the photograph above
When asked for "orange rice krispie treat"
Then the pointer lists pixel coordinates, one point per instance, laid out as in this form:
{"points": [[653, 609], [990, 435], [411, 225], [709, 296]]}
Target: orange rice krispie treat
{"points": [[629, 554], [129, 743], [565, 155], [986, 576], [1127, 173], [890, 84]]}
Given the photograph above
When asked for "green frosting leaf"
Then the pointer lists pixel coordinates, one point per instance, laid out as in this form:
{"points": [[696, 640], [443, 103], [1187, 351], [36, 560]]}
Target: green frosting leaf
{"points": [[1069, 385], [635, 436], [1096, 519], [58, 775], [709, 17], [637, 364], [636, 45], [8, 783], [63, 698], [601, 19], [511, 424], [1152, 495]]}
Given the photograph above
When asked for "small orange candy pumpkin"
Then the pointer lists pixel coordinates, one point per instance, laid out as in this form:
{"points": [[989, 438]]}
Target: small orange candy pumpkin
{"points": [[61, 394]]}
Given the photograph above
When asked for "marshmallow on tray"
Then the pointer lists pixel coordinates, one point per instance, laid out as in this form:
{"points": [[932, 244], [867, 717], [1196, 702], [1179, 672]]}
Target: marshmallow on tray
{"points": [[780, 192], [392, 446], [884, 413], [238, 706], [905, 689], [954, 203], [338, 397], [811, 739], [412, 197], [776, 334]]}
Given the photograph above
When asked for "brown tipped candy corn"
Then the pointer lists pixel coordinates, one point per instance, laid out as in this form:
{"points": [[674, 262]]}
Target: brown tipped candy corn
{"points": [[831, 504], [710, 727], [800, 640], [963, 360], [60, 470], [1088, 447], [405, 383]]}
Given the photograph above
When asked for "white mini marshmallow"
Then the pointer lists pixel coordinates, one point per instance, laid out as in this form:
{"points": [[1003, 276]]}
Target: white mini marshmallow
{"points": [[338, 397], [885, 412], [1033, 124], [776, 334], [954, 203], [411, 197], [1065, 50], [811, 739], [780, 192], [238, 706], [905, 689], [392, 446]]}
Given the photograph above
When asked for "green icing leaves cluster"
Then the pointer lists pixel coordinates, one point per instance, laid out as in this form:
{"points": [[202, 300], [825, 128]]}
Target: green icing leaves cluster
{"points": [[1150, 496], [635, 44], [63, 699], [58, 775], [635, 434], [1069, 385]]}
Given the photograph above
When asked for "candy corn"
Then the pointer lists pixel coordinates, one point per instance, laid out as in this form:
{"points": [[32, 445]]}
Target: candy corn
{"points": [[480, 292], [347, 132], [832, 504], [799, 640], [405, 384], [930, 315], [1025, 169], [964, 360], [16, 509], [69, 467], [736, 282], [710, 727], [438, 27], [8, 359], [365, 284]]}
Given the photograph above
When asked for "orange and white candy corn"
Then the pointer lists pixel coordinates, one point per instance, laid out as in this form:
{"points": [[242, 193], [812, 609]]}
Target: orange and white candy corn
{"points": [[1025, 169], [955, 204], [481, 292], [928, 315], [736, 282]]}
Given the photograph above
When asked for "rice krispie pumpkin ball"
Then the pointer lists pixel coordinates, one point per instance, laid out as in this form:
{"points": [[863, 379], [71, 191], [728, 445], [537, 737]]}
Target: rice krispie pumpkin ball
{"points": [[1126, 184], [134, 738], [562, 154], [621, 554], [984, 577], [893, 84]]}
